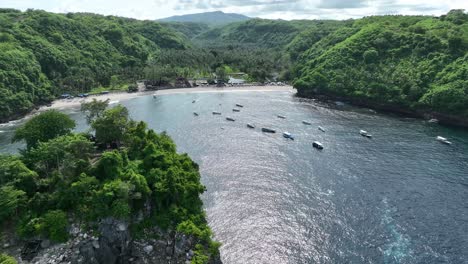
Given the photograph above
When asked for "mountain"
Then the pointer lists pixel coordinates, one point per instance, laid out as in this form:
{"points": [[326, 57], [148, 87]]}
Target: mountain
{"points": [[265, 33], [216, 18]]}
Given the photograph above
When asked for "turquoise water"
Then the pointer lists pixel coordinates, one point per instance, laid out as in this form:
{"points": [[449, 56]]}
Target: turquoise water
{"points": [[400, 197]]}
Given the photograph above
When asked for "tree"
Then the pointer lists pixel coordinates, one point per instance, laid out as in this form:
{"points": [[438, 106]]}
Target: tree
{"points": [[65, 154], [221, 75], [5, 259], [94, 109], [112, 125], [54, 225], [370, 56], [44, 127], [12, 200]]}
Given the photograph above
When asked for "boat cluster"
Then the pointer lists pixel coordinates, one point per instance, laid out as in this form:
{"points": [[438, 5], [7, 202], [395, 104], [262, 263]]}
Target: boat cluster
{"points": [[288, 135]]}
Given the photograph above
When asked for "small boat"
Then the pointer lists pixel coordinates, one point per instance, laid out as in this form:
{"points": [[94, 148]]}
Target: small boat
{"points": [[433, 120], [317, 145], [321, 129], [443, 140], [250, 126], [268, 130], [195, 113], [288, 135], [239, 105], [280, 116], [230, 119], [365, 134], [235, 110], [216, 113], [154, 96], [306, 122], [194, 101]]}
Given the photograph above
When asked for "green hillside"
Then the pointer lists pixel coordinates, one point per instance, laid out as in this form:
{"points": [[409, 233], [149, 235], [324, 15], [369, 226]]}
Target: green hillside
{"points": [[44, 54], [407, 62]]}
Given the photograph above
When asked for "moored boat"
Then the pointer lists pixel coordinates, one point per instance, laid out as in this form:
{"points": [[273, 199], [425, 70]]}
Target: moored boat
{"points": [[195, 113], [365, 134], [288, 135], [216, 113], [250, 126], [280, 116], [239, 105], [236, 110], [317, 145], [443, 140], [230, 119], [321, 129], [268, 130], [306, 122]]}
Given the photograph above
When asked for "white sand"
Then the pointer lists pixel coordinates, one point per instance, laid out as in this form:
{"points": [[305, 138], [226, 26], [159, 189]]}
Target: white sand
{"points": [[117, 97]]}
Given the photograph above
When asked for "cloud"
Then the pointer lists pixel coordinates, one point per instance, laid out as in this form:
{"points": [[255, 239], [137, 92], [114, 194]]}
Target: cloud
{"points": [[284, 9], [340, 4]]}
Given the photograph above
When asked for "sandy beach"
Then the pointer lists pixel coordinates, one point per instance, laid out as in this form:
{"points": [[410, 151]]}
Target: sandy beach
{"points": [[121, 96]]}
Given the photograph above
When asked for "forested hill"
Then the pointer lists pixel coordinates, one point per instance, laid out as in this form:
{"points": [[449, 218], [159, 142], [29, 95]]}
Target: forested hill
{"points": [[43, 54], [216, 18], [409, 63], [400, 62], [265, 33]]}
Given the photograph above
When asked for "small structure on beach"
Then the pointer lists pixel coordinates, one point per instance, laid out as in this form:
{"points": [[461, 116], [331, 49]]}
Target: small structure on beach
{"points": [[234, 81]]}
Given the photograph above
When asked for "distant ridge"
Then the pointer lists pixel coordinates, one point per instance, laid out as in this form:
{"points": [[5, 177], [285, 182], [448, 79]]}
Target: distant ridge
{"points": [[216, 18]]}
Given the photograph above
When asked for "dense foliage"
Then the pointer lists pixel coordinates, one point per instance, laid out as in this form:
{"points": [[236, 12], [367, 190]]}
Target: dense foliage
{"points": [[44, 127], [409, 62], [70, 176], [43, 55]]}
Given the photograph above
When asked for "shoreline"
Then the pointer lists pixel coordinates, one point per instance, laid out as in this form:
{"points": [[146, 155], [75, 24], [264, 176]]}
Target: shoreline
{"points": [[121, 96], [116, 97], [442, 119]]}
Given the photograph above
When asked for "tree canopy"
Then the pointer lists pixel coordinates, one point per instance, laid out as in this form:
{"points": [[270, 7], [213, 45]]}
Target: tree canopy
{"points": [[68, 177], [43, 127]]}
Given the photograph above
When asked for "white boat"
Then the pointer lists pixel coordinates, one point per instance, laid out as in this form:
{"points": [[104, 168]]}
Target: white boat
{"points": [[230, 119], [288, 135], [317, 145], [365, 134], [306, 122], [433, 120], [216, 113], [321, 129], [280, 116], [443, 140], [250, 126]]}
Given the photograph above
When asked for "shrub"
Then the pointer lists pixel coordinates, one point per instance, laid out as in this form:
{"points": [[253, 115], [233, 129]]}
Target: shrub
{"points": [[55, 225]]}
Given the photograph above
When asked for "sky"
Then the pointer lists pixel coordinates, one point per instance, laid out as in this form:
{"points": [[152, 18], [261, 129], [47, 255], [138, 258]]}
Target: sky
{"points": [[273, 9]]}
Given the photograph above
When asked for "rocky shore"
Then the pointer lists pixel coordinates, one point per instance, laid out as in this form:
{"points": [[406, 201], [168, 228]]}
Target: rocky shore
{"points": [[112, 243], [444, 119]]}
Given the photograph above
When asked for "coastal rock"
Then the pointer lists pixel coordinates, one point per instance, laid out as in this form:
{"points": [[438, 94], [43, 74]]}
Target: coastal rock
{"points": [[148, 249], [45, 243]]}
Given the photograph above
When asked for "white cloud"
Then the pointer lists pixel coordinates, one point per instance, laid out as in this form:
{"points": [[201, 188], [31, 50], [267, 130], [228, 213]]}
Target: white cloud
{"points": [[284, 9]]}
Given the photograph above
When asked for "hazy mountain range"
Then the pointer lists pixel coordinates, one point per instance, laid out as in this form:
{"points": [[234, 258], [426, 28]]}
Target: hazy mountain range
{"points": [[216, 18]]}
